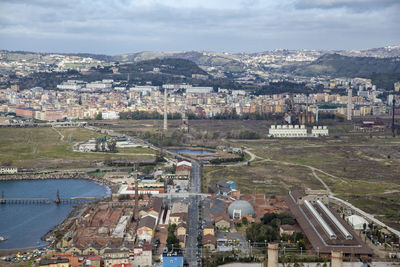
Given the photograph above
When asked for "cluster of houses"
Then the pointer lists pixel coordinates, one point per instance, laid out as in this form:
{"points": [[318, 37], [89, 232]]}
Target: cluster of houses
{"points": [[121, 232], [227, 208]]}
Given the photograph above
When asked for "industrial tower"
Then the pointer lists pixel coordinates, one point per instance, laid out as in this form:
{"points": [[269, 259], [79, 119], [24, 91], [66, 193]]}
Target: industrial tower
{"points": [[349, 104], [165, 110], [136, 211]]}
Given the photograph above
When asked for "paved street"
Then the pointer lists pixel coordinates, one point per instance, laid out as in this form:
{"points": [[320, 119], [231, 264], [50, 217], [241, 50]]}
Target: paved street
{"points": [[193, 218]]}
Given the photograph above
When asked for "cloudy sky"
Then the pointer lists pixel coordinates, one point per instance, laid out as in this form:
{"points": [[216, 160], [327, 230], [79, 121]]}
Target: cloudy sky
{"points": [[127, 26]]}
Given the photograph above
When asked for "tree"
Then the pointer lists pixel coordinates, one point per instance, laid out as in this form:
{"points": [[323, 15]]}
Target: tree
{"points": [[112, 146], [99, 116], [172, 240], [245, 221]]}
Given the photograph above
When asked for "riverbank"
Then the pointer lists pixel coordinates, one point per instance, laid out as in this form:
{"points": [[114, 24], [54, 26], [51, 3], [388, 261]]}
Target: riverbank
{"points": [[10, 252]]}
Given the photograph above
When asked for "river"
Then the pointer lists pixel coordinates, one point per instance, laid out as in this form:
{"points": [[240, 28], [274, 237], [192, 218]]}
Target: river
{"points": [[25, 224]]}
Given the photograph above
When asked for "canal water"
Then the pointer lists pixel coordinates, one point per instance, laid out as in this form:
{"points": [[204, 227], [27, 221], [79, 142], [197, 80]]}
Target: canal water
{"points": [[193, 152], [25, 224]]}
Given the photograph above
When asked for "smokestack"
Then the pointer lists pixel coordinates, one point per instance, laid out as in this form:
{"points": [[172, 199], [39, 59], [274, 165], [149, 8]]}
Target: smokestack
{"points": [[349, 104], [136, 212], [273, 251], [165, 110], [393, 110], [336, 259]]}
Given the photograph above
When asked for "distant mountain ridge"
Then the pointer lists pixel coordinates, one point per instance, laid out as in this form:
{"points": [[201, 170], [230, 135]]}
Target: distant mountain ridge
{"points": [[335, 65], [261, 65]]}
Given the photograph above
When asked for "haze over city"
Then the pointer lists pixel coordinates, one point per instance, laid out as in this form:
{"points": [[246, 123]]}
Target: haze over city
{"points": [[122, 26]]}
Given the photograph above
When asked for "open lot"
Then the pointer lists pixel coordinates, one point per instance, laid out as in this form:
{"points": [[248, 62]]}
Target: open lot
{"points": [[361, 168], [48, 148]]}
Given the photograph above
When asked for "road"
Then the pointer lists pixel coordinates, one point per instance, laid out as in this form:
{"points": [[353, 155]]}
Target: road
{"points": [[366, 215], [193, 218]]}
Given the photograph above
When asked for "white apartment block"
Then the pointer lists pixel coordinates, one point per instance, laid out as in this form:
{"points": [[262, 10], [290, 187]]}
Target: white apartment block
{"points": [[8, 170], [292, 131], [319, 131], [199, 90], [288, 131], [110, 115]]}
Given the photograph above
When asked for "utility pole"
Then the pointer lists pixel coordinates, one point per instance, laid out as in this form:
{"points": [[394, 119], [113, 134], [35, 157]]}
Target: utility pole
{"points": [[393, 109]]}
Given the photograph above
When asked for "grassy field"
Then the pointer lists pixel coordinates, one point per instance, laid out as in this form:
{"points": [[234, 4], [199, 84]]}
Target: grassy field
{"points": [[46, 148]]}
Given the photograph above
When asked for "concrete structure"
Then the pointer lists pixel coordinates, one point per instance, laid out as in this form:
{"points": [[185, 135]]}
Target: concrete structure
{"points": [[336, 259], [273, 253], [349, 104], [288, 131]]}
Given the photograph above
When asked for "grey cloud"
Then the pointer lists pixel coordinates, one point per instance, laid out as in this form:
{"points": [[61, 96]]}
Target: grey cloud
{"points": [[355, 5], [247, 25]]}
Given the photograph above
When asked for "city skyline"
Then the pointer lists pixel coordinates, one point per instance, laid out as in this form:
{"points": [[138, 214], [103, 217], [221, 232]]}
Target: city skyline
{"points": [[119, 27]]}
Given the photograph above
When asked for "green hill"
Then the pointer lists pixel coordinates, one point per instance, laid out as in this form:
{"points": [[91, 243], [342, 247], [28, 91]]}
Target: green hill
{"points": [[335, 65], [385, 80], [172, 66]]}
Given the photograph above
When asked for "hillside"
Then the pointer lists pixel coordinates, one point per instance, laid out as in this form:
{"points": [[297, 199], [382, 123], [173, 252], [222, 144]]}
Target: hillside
{"points": [[335, 65], [159, 71], [172, 66], [221, 61], [385, 80]]}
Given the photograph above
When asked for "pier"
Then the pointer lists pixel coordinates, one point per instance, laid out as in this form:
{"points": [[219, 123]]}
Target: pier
{"points": [[58, 200], [24, 201]]}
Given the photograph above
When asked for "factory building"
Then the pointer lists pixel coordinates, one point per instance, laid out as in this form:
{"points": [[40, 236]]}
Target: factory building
{"points": [[324, 228], [296, 131]]}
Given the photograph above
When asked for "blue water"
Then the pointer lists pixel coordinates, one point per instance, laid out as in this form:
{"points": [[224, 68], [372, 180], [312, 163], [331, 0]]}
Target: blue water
{"points": [[25, 224], [193, 152]]}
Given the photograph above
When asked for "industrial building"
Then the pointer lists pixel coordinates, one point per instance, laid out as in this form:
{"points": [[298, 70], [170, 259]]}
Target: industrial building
{"points": [[317, 131], [324, 228], [288, 131], [296, 131]]}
